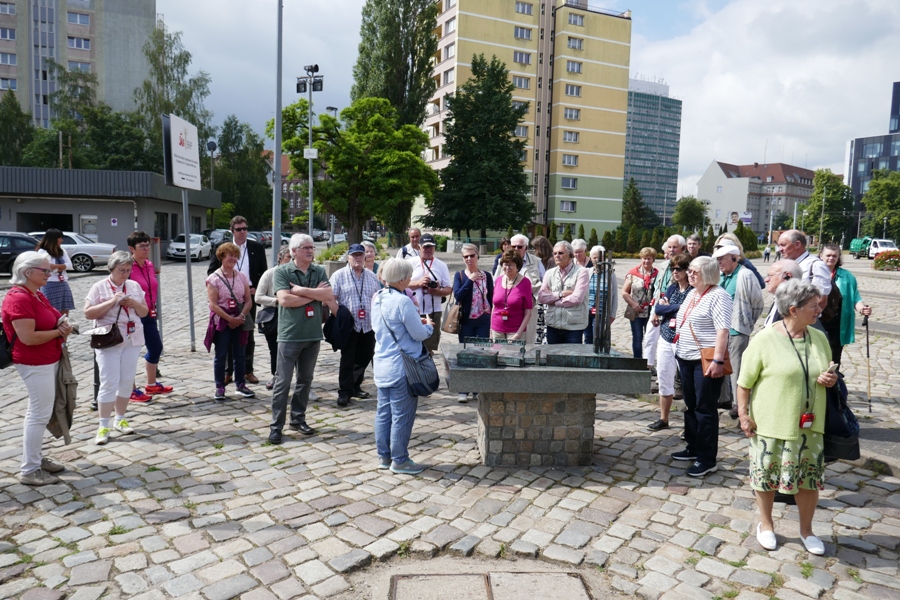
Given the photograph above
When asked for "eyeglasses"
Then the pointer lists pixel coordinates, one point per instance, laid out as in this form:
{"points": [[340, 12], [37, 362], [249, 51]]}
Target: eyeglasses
{"points": [[560, 253], [144, 246], [120, 271], [44, 271], [468, 256], [693, 272], [305, 248], [518, 247], [240, 229]]}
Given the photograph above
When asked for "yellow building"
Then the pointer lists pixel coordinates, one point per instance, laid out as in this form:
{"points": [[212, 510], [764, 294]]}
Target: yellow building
{"points": [[570, 62]]}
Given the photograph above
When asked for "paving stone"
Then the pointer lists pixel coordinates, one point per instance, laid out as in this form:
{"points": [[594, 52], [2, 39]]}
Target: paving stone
{"points": [[750, 578], [352, 561], [90, 572], [465, 546], [488, 547], [88, 593], [289, 588], [522, 548], [596, 558], [229, 588], [43, 594], [714, 568], [131, 583], [382, 549], [558, 553], [623, 570], [708, 544], [663, 565], [573, 539], [442, 536], [167, 516], [313, 572], [657, 582], [331, 587], [193, 562], [80, 558], [422, 550], [182, 585], [270, 572]]}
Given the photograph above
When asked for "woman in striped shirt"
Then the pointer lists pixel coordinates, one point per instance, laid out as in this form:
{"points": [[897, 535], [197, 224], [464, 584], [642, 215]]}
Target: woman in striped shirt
{"points": [[703, 321]]}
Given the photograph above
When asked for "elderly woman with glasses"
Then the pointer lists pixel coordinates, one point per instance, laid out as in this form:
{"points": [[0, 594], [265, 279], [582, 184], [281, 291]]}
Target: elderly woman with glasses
{"points": [[781, 405], [117, 301], [703, 321], [37, 333], [473, 289]]}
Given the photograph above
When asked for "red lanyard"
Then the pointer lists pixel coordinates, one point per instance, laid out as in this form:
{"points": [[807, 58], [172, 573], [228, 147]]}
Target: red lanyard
{"points": [[510, 289], [125, 308], [691, 306]]}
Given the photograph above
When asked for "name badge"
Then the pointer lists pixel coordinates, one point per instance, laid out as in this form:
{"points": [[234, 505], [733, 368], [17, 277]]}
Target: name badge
{"points": [[153, 312], [61, 276], [504, 314], [672, 324], [594, 310], [130, 327], [310, 312], [361, 314], [232, 303]]}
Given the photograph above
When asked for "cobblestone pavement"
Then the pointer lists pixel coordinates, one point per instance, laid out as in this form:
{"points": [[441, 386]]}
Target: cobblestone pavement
{"points": [[196, 505]]}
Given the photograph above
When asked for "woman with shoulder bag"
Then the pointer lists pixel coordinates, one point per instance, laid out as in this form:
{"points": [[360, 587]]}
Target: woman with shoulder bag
{"points": [[265, 297], [473, 289], [840, 324], [37, 332], [398, 329], [116, 303], [702, 323], [229, 296], [785, 371], [637, 291]]}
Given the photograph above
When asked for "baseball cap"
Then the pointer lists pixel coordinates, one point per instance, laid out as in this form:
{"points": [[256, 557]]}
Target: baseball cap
{"points": [[356, 249], [427, 240]]}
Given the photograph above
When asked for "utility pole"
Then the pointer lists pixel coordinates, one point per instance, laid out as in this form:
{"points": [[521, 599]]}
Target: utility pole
{"points": [[822, 218], [311, 83], [276, 151]]}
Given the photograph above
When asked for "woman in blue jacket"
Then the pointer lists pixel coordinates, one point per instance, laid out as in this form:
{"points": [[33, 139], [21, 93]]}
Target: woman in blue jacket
{"points": [[473, 289]]}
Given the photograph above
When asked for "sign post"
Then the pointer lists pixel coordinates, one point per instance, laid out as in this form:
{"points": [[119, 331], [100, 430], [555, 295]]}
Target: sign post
{"points": [[182, 160]]}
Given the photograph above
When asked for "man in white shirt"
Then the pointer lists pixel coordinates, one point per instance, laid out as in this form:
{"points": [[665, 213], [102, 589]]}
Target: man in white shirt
{"points": [[430, 284], [412, 249], [792, 244], [533, 269]]}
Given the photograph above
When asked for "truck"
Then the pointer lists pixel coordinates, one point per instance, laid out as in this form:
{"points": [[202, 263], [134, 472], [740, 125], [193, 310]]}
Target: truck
{"points": [[869, 247]]}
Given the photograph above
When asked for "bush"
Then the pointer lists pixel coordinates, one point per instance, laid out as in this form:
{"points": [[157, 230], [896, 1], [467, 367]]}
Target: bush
{"points": [[887, 261], [619, 246], [567, 233], [645, 239], [631, 246], [593, 240], [581, 232], [552, 237], [333, 253], [609, 241], [441, 241]]}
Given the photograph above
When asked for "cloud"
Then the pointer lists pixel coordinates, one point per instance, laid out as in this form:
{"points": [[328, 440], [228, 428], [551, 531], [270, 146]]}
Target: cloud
{"points": [[785, 82]]}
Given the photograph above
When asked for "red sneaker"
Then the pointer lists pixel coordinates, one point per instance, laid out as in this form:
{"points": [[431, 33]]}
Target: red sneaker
{"points": [[138, 396], [158, 388]]}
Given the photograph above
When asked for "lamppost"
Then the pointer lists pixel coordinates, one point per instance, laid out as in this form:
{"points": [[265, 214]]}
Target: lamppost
{"points": [[703, 223], [333, 110], [803, 221], [311, 83], [772, 215], [884, 231], [211, 146]]}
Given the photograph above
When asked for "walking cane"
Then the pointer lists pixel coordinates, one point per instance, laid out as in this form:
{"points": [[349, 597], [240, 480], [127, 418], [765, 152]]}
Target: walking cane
{"points": [[868, 361]]}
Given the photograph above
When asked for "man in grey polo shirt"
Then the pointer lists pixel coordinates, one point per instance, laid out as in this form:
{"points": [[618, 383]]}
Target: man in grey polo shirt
{"points": [[301, 288]]}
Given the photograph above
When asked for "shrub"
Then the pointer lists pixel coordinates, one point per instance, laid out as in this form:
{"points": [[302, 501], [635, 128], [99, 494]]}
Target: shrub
{"points": [[631, 246], [609, 241], [887, 261], [593, 240], [581, 231], [441, 241], [333, 253]]}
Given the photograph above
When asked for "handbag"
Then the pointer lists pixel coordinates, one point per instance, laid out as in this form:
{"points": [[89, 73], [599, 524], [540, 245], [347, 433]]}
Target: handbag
{"points": [[450, 318], [266, 321], [422, 377], [841, 435], [111, 338], [708, 354], [6, 349], [248, 323]]}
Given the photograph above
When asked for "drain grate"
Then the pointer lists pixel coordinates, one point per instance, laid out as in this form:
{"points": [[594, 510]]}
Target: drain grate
{"points": [[505, 585]]}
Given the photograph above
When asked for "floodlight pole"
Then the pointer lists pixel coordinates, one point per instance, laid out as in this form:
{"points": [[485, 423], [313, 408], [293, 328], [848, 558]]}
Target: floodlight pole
{"points": [[309, 87], [276, 153]]}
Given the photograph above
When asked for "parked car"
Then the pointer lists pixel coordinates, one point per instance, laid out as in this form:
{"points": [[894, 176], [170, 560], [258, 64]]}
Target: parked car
{"points": [[339, 238], [12, 244], [200, 247], [216, 236], [319, 235], [84, 252], [260, 237]]}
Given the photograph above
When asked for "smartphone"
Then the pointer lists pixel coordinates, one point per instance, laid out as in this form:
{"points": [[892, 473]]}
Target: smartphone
{"points": [[833, 368]]}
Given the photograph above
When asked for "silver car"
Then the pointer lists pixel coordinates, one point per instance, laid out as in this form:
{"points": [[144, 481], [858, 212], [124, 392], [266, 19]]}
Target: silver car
{"points": [[200, 247], [84, 252]]}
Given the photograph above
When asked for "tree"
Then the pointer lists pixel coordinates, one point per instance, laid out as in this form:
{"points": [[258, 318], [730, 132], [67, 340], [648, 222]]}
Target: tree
{"points": [[552, 237], [645, 239], [656, 241], [609, 241], [294, 129], [620, 244], [839, 206], [689, 214], [567, 232], [539, 230], [242, 172], [593, 240], [484, 186], [170, 89], [372, 164], [782, 221], [631, 246], [16, 130], [509, 232], [581, 231], [709, 241], [634, 210], [882, 200]]}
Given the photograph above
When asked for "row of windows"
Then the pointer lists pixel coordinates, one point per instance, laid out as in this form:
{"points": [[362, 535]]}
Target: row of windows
{"points": [[7, 8], [524, 8], [8, 84], [79, 43], [521, 33]]}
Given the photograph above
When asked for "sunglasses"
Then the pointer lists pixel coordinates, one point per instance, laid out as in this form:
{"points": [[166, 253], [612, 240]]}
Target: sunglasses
{"points": [[677, 270], [468, 256], [241, 229], [519, 246]]}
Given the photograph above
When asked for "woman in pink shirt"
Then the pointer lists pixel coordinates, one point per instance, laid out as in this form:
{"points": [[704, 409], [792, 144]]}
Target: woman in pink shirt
{"points": [[513, 301]]}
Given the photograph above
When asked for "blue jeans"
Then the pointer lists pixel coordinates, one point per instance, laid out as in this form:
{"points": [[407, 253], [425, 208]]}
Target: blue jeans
{"points": [[394, 417], [225, 340], [589, 331], [480, 327], [637, 336], [701, 416], [152, 340], [563, 336]]}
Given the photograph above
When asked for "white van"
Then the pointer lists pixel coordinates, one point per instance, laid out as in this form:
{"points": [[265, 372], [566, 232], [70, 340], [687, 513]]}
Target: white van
{"points": [[879, 245]]}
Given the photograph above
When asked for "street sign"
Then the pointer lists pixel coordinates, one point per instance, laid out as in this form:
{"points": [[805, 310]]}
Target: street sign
{"points": [[182, 148], [310, 153]]}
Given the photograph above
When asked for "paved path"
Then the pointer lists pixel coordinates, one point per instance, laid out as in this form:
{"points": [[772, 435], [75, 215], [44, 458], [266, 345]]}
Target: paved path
{"points": [[198, 506]]}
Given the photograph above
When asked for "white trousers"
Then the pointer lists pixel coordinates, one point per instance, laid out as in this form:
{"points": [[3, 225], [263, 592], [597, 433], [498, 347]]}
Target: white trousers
{"points": [[40, 381], [648, 345], [117, 367], [666, 366]]}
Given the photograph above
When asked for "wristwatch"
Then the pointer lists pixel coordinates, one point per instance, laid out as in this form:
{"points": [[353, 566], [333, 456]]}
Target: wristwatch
{"points": [[719, 362]]}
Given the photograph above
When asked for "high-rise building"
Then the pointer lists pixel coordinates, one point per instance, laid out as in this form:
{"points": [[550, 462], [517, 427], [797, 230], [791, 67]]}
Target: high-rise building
{"points": [[105, 37], [569, 61], [652, 142], [874, 153]]}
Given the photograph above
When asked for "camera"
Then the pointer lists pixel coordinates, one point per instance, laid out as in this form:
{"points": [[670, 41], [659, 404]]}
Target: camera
{"points": [[432, 284]]}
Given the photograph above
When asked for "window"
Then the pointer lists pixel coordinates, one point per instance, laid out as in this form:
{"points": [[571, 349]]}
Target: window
{"points": [[79, 18], [522, 57], [573, 90], [79, 43], [524, 8], [522, 33], [450, 26], [7, 8], [570, 160], [570, 136], [449, 76], [895, 148], [572, 113], [449, 51], [521, 82], [517, 104], [524, 156], [872, 150], [719, 189], [566, 205], [79, 67], [448, 4], [7, 33], [8, 84], [570, 183], [576, 19], [576, 43], [884, 163], [573, 66], [521, 131], [7, 58]]}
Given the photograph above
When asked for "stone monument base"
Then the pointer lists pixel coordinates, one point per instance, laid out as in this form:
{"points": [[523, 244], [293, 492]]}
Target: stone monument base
{"points": [[536, 430]]}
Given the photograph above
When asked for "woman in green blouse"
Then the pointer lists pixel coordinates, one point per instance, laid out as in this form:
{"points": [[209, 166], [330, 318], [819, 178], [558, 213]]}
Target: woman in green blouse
{"points": [[841, 326], [781, 406]]}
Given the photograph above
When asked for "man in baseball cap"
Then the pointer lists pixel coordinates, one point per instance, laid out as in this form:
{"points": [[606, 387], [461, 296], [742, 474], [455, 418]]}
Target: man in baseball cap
{"points": [[431, 284]]}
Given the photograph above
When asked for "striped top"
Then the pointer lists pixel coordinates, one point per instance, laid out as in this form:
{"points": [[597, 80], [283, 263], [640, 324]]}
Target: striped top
{"points": [[706, 313]]}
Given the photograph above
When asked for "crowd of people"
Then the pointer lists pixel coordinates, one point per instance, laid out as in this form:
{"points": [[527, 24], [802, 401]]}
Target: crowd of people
{"points": [[692, 318]]}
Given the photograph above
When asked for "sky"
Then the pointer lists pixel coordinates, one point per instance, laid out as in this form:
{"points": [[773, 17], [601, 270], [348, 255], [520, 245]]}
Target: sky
{"points": [[776, 81]]}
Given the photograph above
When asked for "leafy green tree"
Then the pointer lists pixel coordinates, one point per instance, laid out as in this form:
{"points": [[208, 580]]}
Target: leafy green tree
{"points": [[645, 239], [882, 200], [656, 241], [581, 232], [242, 172], [593, 240], [710, 240], [372, 163], [632, 245], [484, 186], [552, 238], [539, 230], [223, 215], [609, 242], [294, 129], [634, 210], [689, 214], [509, 232], [171, 89], [782, 221], [620, 244], [16, 130], [567, 232], [839, 206]]}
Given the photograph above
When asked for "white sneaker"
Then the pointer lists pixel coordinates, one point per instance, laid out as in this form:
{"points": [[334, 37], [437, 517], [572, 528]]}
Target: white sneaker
{"points": [[463, 398], [123, 427], [102, 436]]}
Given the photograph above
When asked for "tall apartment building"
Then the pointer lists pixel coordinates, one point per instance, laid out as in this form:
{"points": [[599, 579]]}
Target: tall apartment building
{"points": [[652, 144], [569, 61], [868, 154], [105, 37]]}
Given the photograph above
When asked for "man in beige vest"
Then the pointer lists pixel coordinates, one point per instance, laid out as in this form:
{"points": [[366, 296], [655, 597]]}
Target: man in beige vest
{"points": [[531, 269], [565, 292]]}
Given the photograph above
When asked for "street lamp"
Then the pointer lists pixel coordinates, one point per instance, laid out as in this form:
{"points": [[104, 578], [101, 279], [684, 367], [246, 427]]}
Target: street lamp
{"points": [[211, 146], [333, 110], [884, 231], [309, 84], [703, 223]]}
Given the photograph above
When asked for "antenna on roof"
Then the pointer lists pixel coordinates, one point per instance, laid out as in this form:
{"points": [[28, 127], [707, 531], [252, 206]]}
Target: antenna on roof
{"points": [[765, 150]]}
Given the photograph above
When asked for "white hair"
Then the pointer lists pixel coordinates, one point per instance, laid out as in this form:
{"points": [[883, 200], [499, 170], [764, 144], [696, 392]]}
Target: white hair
{"points": [[566, 245], [600, 250], [24, 262], [579, 244], [298, 239], [520, 237], [679, 239], [394, 270], [117, 258]]}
